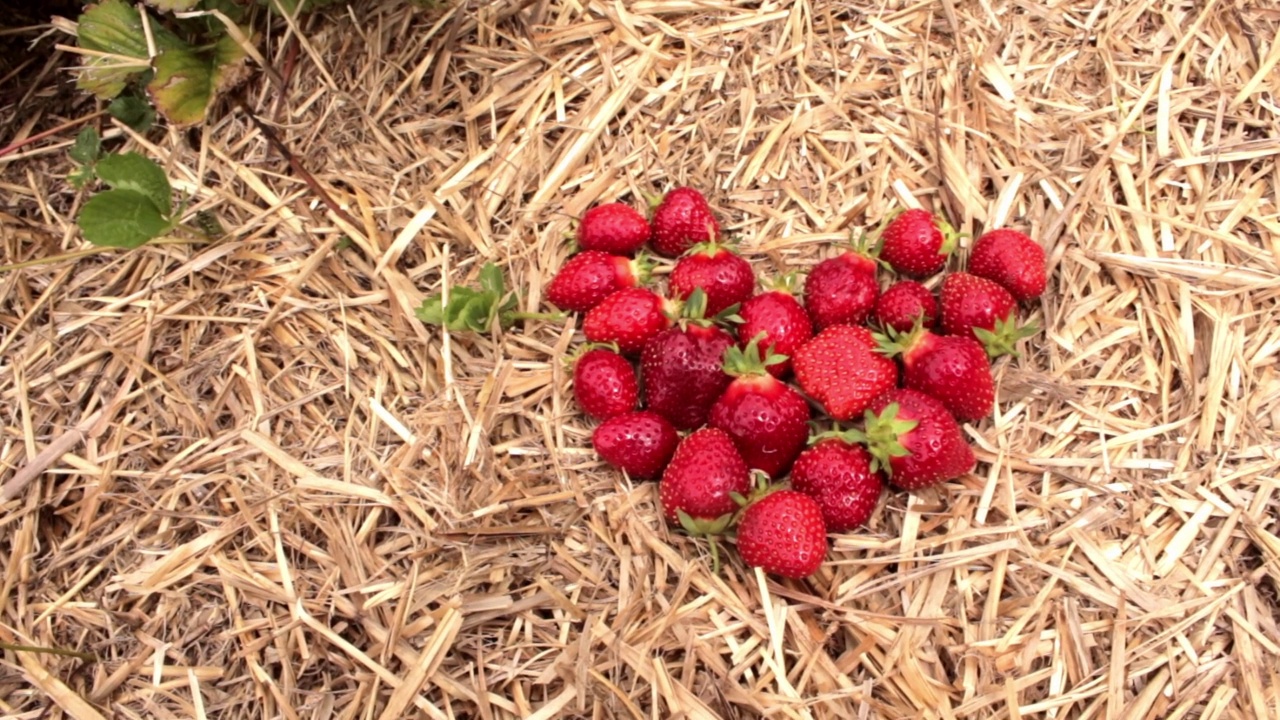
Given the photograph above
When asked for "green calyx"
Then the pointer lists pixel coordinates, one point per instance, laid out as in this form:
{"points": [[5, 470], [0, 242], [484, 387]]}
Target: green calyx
{"points": [[788, 283], [642, 268], [708, 528], [749, 361], [950, 238], [1004, 338], [892, 343], [571, 359], [882, 437], [693, 311]]}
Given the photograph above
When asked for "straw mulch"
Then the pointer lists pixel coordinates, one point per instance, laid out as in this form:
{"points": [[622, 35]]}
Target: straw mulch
{"points": [[246, 480]]}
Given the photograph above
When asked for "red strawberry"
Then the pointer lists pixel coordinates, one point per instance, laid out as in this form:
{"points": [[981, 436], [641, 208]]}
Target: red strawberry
{"points": [[723, 275], [682, 367], [767, 419], [591, 276], [980, 308], [782, 319], [700, 481], [838, 475], [913, 437], [783, 534], [628, 318], [841, 290], [640, 443], [913, 245], [1012, 259], [840, 369], [614, 228], [952, 368], [604, 384], [682, 219], [905, 302]]}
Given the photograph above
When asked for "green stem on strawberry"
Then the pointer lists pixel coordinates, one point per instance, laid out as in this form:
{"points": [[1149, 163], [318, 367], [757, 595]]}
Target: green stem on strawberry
{"points": [[881, 437], [1004, 338]]}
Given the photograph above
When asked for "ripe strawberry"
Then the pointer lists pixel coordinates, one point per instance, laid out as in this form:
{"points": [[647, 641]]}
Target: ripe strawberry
{"points": [[840, 369], [783, 534], [837, 473], [628, 318], [767, 419], [952, 368], [698, 485], [591, 276], [913, 245], [980, 308], [604, 383], [905, 302], [614, 228], [682, 367], [639, 443], [722, 274], [841, 290], [681, 220], [913, 437], [1012, 259], [782, 319]]}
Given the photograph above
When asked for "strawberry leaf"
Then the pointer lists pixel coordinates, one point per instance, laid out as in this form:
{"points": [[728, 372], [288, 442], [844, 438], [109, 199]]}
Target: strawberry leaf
{"points": [[121, 218], [472, 310], [88, 147], [131, 171], [114, 29]]}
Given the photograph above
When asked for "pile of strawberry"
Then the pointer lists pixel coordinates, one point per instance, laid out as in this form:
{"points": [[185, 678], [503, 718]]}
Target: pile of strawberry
{"points": [[747, 375]]}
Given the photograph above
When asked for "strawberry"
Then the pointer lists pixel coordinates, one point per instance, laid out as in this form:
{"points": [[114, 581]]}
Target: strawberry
{"points": [[837, 473], [782, 319], [1012, 259], [783, 534], [905, 302], [952, 368], [767, 419], [723, 275], [639, 443], [915, 440], [841, 290], [913, 244], [840, 369], [590, 276], [681, 368], [628, 318], [976, 307], [698, 485], [604, 383], [613, 228], [681, 220]]}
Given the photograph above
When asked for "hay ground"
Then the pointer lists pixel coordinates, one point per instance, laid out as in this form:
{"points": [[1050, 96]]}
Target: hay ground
{"points": [[246, 479]]}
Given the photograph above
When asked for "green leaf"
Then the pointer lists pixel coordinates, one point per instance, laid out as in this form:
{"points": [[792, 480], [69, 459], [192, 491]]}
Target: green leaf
{"points": [[121, 218], [491, 279], [81, 177], [113, 27], [173, 5], [186, 82], [133, 111], [88, 147], [131, 171]]}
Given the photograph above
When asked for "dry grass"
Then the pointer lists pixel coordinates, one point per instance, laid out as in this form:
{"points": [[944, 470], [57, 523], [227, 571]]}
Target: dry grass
{"points": [[247, 480]]}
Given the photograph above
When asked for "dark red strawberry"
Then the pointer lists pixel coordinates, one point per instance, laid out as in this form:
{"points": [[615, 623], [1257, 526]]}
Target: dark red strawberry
{"points": [[682, 368], [983, 310], [591, 276], [681, 220], [767, 419], [699, 483], [783, 534], [639, 443], [627, 318], [722, 274], [841, 370], [905, 302], [915, 440], [837, 473], [952, 368], [614, 228], [782, 319], [914, 245], [841, 290], [1012, 259], [604, 383]]}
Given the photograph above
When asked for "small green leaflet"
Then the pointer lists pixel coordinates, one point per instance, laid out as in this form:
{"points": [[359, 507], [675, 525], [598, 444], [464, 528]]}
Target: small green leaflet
{"points": [[121, 218], [113, 27], [471, 309], [131, 171], [186, 82], [133, 111], [88, 147]]}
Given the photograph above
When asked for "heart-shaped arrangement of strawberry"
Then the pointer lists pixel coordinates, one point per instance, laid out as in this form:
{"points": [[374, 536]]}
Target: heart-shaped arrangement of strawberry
{"points": [[772, 419]]}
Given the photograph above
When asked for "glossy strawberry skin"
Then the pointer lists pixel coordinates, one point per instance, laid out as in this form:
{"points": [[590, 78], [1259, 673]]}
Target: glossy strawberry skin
{"points": [[937, 449], [588, 278], [640, 443], [627, 318], [682, 219], [783, 534], [1011, 258], [955, 370], [767, 419], [913, 245], [613, 228], [905, 302], [723, 275], [782, 319], [969, 302], [841, 290], [841, 371], [838, 475], [701, 476], [605, 384], [682, 373]]}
